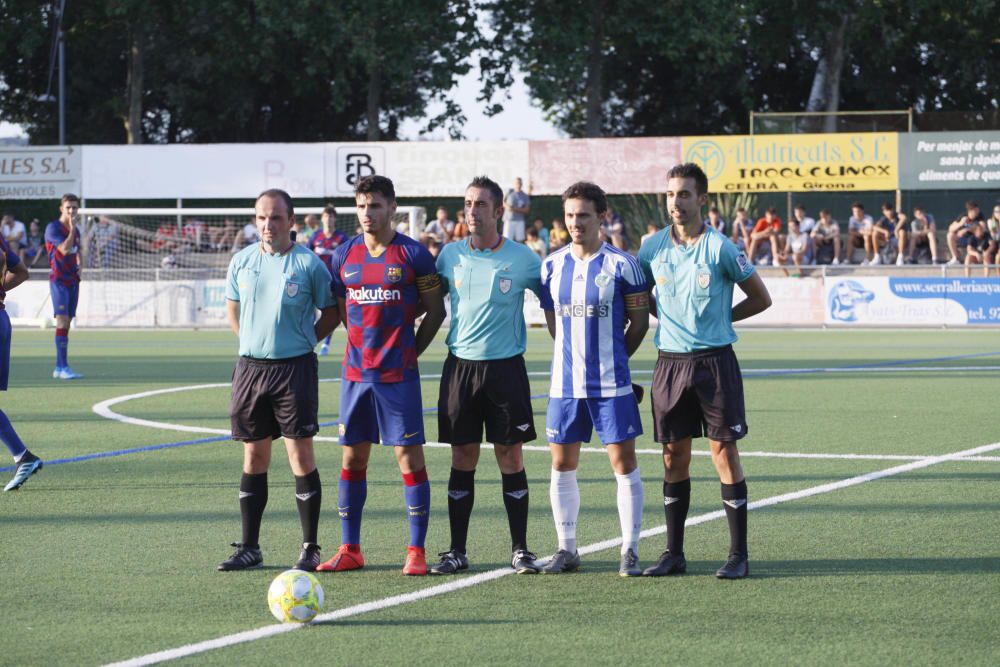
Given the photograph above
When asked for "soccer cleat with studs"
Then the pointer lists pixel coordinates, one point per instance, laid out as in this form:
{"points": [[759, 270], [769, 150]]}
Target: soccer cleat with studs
{"points": [[452, 561], [348, 557], [524, 562], [562, 561], [309, 558], [25, 469], [668, 564], [416, 562], [736, 567], [245, 558], [629, 565]]}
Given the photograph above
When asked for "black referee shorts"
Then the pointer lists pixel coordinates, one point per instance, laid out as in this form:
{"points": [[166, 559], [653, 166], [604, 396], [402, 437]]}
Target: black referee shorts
{"points": [[698, 393], [275, 397], [494, 393]]}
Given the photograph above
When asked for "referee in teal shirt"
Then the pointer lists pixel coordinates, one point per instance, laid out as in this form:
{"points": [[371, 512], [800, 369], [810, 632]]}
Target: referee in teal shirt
{"points": [[273, 291], [697, 385], [484, 381]]}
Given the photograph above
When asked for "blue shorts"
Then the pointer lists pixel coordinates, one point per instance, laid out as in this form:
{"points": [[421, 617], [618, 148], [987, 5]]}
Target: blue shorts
{"points": [[64, 298], [392, 410], [571, 420], [4, 349]]}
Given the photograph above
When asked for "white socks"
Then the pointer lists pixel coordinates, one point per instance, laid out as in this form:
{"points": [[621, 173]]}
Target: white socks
{"points": [[564, 494], [630, 498]]}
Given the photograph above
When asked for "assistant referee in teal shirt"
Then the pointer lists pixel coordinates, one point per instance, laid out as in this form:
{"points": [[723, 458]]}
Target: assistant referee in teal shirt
{"points": [[697, 384], [273, 291], [484, 381]]}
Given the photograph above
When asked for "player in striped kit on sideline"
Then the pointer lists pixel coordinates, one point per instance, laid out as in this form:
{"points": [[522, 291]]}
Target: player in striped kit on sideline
{"points": [[597, 309]]}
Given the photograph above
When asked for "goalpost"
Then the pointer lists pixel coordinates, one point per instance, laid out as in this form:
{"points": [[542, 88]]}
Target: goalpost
{"points": [[166, 267]]}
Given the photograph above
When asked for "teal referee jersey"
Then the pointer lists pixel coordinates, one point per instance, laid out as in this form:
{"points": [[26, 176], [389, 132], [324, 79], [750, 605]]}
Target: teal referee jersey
{"points": [[486, 288], [278, 297], [694, 288]]}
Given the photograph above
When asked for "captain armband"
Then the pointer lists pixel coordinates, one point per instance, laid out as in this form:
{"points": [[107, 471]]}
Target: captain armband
{"points": [[637, 301], [428, 282]]}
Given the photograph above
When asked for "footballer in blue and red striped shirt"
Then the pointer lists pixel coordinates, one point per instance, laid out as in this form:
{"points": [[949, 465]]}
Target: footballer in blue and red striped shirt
{"points": [[62, 241], [324, 242], [382, 281]]}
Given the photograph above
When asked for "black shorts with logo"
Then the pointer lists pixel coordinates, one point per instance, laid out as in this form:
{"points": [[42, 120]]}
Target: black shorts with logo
{"points": [[493, 392], [275, 397], [698, 393]]}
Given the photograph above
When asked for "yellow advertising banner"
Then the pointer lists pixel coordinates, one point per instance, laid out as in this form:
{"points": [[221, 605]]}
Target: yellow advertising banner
{"points": [[797, 162]]}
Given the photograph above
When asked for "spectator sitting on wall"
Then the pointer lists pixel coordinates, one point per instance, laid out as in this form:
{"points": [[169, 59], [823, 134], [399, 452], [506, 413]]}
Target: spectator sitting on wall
{"points": [[960, 232], [806, 224], [437, 228], [536, 244], [34, 246], [794, 249], [543, 232], [923, 234], [766, 239], [885, 231], [742, 226], [14, 232], [461, 226], [825, 238], [715, 220], [982, 249], [859, 234], [559, 235]]}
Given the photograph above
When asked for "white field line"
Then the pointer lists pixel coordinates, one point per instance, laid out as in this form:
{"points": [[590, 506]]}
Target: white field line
{"points": [[474, 580], [104, 410]]}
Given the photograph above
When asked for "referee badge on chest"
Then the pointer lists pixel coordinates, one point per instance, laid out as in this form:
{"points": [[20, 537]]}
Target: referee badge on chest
{"points": [[704, 279], [505, 285], [291, 289], [394, 273]]}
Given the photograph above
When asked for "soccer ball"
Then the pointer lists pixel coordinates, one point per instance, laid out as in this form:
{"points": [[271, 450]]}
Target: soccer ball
{"points": [[295, 597]]}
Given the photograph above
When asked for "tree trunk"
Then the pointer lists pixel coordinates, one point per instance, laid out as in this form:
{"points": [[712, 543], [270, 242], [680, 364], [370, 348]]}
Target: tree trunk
{"points": [[374, 100], [825, 92], [134, 85], [595, 67]]}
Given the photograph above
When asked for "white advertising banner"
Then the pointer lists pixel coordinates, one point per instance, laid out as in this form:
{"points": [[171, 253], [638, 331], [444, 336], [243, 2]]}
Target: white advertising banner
{"points": [[425, 168], [898, 301], [39, 172], [224, 171], [805, 302], [201, 171], [794, 302]]}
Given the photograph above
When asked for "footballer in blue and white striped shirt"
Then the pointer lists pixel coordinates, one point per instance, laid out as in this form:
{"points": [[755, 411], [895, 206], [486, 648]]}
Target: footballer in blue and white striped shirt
{"points": [[596, 305]]}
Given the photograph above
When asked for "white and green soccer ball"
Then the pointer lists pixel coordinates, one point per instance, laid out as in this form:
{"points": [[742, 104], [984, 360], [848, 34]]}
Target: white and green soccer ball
{"points": [[295, 597]]}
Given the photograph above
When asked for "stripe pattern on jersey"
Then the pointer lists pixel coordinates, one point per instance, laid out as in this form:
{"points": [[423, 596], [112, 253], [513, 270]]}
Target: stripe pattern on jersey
{"points": [[588, 300]]}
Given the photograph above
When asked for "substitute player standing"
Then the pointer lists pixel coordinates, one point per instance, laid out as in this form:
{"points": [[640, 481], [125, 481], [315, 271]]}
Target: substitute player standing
{"points": [[323, 242], [12, 273], [597, 309], [62, 241], [381, 279], [273, 291], [697, 384], [484, 381]]}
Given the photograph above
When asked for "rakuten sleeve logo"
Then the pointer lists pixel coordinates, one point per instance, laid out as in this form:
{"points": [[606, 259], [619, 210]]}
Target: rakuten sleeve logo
{"points": [[368, 295], [845, 297]]}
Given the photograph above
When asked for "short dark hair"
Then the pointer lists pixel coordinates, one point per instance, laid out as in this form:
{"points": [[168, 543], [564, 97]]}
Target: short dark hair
{"points": [[278, 193], [824, 211], [858, 204], [771, 210], [486, 183], [888, 206], [918, 207], [69, 196], [590, 192], [713, 209], [376, 183], [741, 209], [971, 204], [690, 170], [799, 206], [330, 210]]}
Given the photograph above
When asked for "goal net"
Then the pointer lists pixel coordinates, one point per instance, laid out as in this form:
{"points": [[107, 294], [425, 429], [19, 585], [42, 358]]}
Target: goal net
{"points": [[139, 243], [166, 267]]}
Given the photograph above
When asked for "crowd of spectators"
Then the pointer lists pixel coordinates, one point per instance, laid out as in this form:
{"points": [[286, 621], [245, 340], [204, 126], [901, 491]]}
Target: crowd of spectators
{"points": [[894, 237]]}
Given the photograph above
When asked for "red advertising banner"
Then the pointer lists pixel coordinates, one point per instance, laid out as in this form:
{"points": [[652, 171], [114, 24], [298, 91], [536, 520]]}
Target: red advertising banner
{"points": [[619, 166]]}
